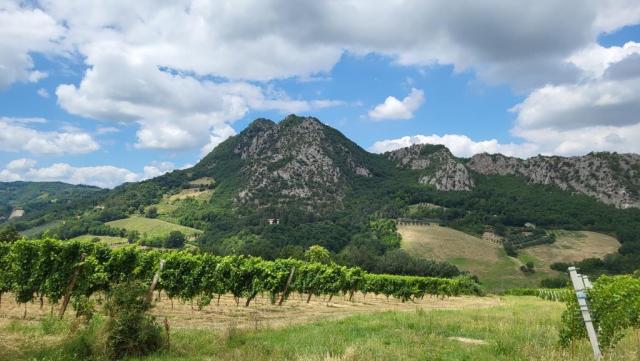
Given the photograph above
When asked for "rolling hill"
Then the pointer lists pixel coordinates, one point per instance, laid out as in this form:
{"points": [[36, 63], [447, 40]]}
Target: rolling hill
{"points": [[324, 189], [488, 260]]}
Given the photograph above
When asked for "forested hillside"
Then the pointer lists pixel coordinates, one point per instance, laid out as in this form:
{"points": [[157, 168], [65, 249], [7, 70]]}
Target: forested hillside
{"points": [[276, 189]]}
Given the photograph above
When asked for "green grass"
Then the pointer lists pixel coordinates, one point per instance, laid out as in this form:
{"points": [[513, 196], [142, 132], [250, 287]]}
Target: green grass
{"points": [[109, 240], [490, 263], [522, 328], [152, 227], [35, 231]]}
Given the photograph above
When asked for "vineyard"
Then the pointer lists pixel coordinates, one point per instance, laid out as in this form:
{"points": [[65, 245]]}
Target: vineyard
{"points": [[54, 269]]}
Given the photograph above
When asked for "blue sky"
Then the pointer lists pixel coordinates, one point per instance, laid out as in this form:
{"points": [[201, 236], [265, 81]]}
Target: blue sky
{"points": [[105, 93]]}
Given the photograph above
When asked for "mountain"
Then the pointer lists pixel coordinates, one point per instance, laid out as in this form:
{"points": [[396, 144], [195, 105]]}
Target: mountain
{"points": [[609, 177], [437, 166], [299, 160], [28, 201], [324, 189]]}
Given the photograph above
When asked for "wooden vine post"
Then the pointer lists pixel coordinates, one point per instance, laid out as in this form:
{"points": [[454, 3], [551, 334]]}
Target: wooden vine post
{"points": [[71, 286], [286, 286], [154, 283]]}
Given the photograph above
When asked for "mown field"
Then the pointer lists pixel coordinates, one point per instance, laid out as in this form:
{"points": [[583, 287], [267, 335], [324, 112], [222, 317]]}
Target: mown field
{"points": [[152, 227], [490, 263], [108, 240], [371, 328]]}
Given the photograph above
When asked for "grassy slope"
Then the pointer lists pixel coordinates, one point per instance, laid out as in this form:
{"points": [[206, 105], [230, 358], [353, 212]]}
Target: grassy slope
{"points": [[108, 240], [522, 328], [490, 263], [152, 227]]}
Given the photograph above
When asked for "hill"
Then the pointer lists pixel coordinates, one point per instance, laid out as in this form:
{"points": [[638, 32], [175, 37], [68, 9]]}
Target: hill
{"points": [[488, 260], [318, 187], [153, 228], [29, 204]]}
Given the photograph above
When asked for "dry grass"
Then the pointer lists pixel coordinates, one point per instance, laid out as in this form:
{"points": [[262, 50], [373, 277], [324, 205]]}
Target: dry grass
{"points": [[443, 243], [574, 246], [486, 258], [261, 313], [190, 193]]}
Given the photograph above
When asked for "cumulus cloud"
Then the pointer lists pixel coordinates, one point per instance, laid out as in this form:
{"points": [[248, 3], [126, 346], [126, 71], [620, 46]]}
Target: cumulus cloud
{"points": [[392, 108], [460, 145], [174, 111], [107, 176], [184, 84], [25, 30], [598, 113], [15, 136]]}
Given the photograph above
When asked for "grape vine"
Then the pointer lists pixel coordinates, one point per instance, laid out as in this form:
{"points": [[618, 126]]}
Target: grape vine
{"points": [[43, 268]]}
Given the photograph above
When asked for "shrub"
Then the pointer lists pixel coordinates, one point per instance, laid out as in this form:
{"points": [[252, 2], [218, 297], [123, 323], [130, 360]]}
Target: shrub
{"points": [[152, 212], [175, 240], [130, 330], [554, 282]]}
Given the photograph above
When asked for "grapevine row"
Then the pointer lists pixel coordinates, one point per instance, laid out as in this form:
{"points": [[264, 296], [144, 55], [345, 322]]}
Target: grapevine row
{"points": [[43, 268]]}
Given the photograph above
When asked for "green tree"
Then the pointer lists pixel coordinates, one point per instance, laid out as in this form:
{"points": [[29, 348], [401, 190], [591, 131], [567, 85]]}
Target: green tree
{"points": [[10, 234], [152, 212], [318, 254], [175, 240]]}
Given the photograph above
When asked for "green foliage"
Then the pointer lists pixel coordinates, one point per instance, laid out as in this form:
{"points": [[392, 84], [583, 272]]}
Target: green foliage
{"points": [[9, 234], [614, 302], [44, 202], [151, 212], [175, 240], [46, 267], [555, 282], [549, 294], [318, 254], [130, 330]]}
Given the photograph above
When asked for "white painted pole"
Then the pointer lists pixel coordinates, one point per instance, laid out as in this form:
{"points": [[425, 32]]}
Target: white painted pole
{"points": [[579, 282]]}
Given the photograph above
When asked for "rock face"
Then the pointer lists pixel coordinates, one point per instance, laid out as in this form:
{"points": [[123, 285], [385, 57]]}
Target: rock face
{"points": [[612, 178], [298, 159], [439, 167]]}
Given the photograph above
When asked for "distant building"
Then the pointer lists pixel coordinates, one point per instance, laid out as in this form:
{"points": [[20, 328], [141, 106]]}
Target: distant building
{"points": [[530, 225], [273, 220]]}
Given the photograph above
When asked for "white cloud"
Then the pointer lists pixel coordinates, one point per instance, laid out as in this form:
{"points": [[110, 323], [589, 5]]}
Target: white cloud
{"points": [[181, 69], [392, 108], [602, 112], [460, 145], [157, 168], [16, 137], [102, 176], [174, 111], [24, 30], [42, 92]]}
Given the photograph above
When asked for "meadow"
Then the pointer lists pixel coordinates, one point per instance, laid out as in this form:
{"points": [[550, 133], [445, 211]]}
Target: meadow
{"points": [[153, 228], [371, 328], [489, 261]]}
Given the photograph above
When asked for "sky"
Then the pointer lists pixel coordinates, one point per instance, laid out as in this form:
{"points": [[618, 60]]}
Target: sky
{"points": [[105, 92]]}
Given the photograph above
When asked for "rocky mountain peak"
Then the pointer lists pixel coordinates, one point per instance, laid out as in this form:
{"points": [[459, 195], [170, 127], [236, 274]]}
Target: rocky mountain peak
{"points": [[610, 177], [299, 158], [439, 167]]}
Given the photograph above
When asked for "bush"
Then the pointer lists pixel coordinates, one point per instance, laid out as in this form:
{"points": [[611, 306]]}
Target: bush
{"points": [[175, 240], [130, 330], [510, 250], [152, 212], [555, 282], [528, 268]]}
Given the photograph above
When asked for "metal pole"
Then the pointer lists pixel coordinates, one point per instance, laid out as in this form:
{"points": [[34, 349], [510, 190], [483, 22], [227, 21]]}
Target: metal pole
{"points": [[578, 281]]}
